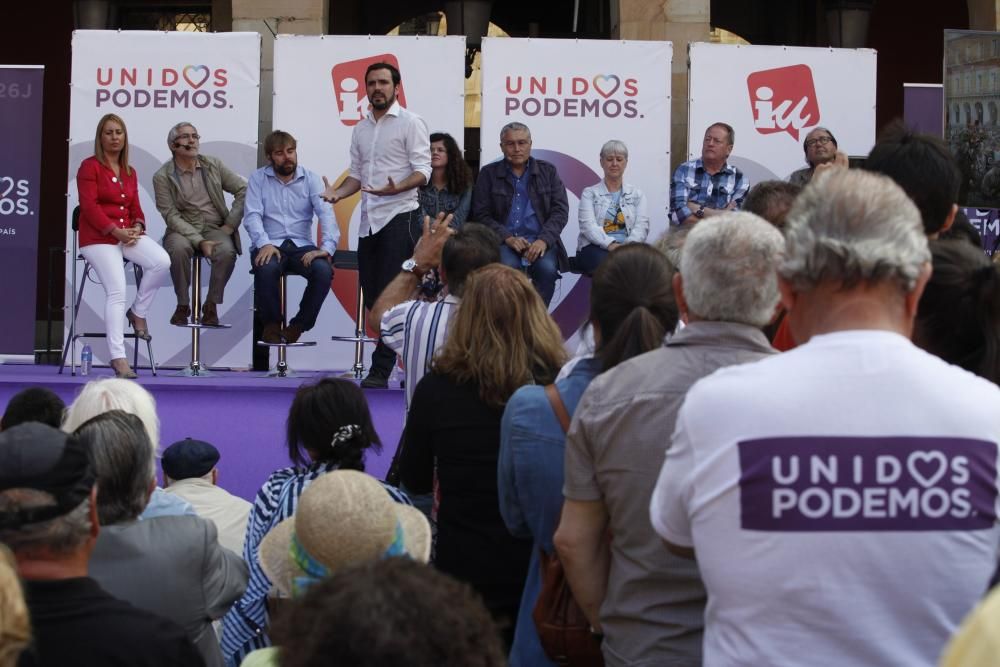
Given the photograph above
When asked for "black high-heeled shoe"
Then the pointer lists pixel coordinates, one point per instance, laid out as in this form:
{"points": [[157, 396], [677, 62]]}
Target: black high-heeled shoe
{"points": [[139, 333]]}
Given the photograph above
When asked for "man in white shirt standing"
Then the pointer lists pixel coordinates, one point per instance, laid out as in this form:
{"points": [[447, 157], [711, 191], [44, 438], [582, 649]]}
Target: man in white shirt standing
{"points": [[390, 160], [840, 498], [190, 472]]}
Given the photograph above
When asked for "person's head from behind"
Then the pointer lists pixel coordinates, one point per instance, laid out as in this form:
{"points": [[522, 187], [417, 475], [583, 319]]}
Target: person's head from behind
{"points": [[772, 200], [853, 232], [502, 336], [632, 303], [190, 459], [99, 396], [124, 461], [34, 404], [446, 155], [727, 271], [471, 247], [671, 243], [958, 318], [330, 422], [389, 612], [47, 491], [923, 166]]}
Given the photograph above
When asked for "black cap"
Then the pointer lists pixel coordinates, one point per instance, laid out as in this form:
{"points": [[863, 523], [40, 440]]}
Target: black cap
{"points": [[37, 456], [189, 458]]}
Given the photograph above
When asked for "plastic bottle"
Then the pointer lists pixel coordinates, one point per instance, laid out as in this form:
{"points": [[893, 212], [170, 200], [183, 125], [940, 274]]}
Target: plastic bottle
{"points": [[86, 360]]}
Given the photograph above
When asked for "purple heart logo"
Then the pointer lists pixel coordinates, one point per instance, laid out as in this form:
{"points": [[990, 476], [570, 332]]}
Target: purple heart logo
{"points": [[927, 467], [602, 84], [195, 81]]}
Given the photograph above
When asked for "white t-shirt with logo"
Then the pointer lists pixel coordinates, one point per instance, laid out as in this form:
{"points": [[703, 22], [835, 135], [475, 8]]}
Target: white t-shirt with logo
{"points": [[841, 499]]}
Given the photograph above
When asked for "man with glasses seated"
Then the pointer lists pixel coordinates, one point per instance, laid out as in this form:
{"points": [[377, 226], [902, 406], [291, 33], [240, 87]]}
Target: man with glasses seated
{"points": [[708, 185], [189, 195], [821, 149]]}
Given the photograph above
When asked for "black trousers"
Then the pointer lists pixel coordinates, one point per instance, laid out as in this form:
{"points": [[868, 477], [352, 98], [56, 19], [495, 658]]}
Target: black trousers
{"points": [[380, 256]]}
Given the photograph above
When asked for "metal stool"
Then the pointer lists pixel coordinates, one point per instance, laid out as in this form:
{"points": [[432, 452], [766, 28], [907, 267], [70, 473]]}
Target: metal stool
{"points": [[195, 368], [70, 347], [281, 369], [348, 259]]}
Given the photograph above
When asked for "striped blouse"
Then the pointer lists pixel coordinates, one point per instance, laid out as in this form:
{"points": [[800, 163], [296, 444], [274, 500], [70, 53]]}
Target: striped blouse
{"points": [[244, 626]]}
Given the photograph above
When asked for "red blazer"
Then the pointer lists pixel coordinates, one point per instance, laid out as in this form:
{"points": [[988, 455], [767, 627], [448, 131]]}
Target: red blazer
{"points": [[106, 202]]}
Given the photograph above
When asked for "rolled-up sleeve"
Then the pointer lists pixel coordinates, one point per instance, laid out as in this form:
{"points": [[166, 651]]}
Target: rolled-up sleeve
{"points": [[418, 142]]}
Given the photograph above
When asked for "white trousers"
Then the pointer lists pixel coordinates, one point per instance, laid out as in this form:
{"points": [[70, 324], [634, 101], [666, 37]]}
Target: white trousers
{"points": [[107, 261]]}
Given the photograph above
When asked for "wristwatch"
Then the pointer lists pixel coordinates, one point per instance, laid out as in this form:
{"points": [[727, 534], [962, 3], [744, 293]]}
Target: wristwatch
{"points": [[700, 213], [410, 266]]}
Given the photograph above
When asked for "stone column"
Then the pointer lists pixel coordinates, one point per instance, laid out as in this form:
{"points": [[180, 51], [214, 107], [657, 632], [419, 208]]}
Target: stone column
{"points": [[271, 18], [680, 22]]}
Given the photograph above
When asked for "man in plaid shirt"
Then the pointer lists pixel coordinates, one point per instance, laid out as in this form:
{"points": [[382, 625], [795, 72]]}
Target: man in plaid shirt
{"points": [[708, 185]]}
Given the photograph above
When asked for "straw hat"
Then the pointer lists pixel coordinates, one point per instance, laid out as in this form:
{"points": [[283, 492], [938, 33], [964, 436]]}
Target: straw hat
{"points": [[344, 517]]}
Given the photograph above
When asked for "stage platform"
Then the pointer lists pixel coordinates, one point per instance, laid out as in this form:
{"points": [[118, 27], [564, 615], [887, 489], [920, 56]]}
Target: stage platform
{"points": [[242, 413]]}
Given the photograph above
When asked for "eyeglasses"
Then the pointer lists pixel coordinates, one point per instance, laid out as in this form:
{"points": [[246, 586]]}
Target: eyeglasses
{"points": [[185, 137], [818, 141]]}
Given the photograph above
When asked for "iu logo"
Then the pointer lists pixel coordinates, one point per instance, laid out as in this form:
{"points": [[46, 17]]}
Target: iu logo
{"points": [[783, 100], [349, 87]]}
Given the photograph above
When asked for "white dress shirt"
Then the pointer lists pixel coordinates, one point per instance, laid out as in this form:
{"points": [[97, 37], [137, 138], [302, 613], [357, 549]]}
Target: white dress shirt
{"points": [[394, 147]]}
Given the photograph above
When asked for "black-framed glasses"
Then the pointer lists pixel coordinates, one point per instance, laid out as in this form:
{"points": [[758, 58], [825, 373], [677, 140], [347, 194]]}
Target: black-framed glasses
{"points": [[818, 141]]}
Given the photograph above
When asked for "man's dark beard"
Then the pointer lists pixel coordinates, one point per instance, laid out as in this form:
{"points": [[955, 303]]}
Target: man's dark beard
{"points": [[384, 104], [286, 169]]}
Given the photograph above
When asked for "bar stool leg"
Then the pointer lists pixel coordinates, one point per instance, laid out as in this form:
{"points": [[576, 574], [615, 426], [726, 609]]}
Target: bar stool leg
{"points": [[361, 324], [282, 367], [195, 367]]}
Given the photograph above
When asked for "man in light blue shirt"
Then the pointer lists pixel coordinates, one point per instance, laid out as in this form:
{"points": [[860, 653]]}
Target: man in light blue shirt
{"points": [[281, 200]]}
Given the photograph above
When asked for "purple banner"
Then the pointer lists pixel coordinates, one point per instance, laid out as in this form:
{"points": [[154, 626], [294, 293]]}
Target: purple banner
{"points": [[922, 107], [987, 223], [21, 123], [820, 484]]}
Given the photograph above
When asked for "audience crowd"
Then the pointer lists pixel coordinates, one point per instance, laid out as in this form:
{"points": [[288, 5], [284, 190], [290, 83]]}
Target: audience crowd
{"points": [[777, 444]]}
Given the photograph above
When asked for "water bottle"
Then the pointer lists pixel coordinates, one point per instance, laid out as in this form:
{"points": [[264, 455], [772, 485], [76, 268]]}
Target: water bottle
{"points": [[86, 360]]}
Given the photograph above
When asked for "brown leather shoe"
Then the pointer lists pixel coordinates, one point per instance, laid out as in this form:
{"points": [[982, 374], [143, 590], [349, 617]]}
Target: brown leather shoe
{"points": [[209, 315], [271, 334], [181, 315], [291, 333]]}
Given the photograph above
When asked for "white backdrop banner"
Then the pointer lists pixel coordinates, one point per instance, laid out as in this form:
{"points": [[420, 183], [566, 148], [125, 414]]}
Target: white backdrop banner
{"points": [[319, 96], [575, 95], [774, 95], [154, 80]]}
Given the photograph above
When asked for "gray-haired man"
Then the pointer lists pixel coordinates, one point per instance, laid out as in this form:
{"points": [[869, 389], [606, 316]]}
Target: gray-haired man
{"points": [[840, 498], [648, 603], [189, 195]]}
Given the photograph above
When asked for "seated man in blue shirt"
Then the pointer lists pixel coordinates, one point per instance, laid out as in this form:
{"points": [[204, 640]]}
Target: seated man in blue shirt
{"points": [[708, 185], [281, 201], [524, 201]]}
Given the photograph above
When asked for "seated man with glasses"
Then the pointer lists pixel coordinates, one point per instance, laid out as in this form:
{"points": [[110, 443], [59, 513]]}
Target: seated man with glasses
{"points": [[821, 149], [189, 195], [708, 185]]}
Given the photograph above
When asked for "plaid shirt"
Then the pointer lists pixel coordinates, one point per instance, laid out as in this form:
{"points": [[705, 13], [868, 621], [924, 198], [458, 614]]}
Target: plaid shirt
{"points": [[692, 183]]}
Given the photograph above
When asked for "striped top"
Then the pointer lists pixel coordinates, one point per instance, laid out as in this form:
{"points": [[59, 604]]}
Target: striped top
{"points": [[243, 626], [415, 330]]}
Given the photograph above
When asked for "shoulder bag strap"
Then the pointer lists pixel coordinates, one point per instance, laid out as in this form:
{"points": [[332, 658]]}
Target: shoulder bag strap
{"points": [[558, 407]]}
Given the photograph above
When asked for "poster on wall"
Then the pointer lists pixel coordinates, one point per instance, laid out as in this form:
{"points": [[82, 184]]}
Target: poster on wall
{"points": [[152, 81], [575, 95], [20, 170], [773, 96], [319, 96], [972, 113]]}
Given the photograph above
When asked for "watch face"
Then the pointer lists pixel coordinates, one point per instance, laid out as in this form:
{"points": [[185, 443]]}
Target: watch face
{"points": [[409, 265]]}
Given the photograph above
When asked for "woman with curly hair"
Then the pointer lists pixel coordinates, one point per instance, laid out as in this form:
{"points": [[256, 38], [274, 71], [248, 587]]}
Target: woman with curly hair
{"points": [[500, 339], [450, 187]]}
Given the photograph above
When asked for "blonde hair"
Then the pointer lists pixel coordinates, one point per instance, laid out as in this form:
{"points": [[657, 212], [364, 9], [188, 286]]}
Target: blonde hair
{"points": [[502, 336], [99, 150], [15, 623]]}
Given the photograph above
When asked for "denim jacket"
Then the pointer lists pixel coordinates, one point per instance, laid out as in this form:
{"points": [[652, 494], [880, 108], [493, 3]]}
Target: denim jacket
{"points": [[491, 202], [530, 481], [594, 203]]}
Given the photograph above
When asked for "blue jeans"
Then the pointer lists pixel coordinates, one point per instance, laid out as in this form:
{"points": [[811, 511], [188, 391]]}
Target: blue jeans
{"points": [[543, 272], [319, 274], [589, 257]]}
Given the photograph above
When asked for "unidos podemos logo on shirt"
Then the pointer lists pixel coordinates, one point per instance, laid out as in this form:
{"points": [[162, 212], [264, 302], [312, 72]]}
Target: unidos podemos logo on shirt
{"points": [[811, 484], [181, 87], [584, 96]]}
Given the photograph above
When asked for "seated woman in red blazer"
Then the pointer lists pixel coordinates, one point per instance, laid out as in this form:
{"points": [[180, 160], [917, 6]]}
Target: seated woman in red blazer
{"points": [[113, 228]]}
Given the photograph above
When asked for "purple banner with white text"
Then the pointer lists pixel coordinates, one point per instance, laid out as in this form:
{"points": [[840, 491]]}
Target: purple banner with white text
{"points": [[987, 223], [819, 484], [20, 169]]}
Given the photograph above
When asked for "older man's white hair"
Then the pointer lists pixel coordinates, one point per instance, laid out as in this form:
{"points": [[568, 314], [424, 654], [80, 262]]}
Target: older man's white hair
{"points": [[729, 269], [850, 226]]}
